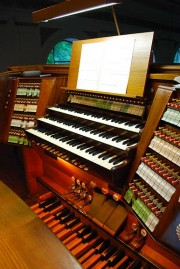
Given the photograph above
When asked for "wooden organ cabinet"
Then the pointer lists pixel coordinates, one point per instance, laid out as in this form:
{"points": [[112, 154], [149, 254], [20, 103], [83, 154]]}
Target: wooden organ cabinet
{"points": [[24, 99], [99, 172]]}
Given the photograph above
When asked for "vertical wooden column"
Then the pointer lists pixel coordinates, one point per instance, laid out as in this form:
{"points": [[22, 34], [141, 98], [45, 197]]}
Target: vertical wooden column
{"points": [[157, 109], [33, 168]]}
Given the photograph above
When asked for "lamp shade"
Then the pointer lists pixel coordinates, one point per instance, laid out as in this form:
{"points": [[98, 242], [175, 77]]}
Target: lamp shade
{"points": [[70, 7]]}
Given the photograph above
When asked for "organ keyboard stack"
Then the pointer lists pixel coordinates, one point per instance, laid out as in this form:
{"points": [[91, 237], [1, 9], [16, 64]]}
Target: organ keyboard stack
{"points": [[100, 139]]}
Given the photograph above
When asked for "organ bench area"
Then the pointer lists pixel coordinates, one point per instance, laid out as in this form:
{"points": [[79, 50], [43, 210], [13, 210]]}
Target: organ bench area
{"points": [[102, 170]]}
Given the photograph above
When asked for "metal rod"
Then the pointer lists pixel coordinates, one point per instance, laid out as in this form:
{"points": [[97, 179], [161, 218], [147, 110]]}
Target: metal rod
{"points": [[115, 20]]}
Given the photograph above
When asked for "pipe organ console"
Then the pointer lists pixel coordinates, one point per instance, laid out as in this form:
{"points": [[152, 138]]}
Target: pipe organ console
{"points": [[102, 215], [102, 170]]}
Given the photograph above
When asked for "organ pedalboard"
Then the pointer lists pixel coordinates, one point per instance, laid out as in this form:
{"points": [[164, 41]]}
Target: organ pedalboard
{"points": [[93, 248]]}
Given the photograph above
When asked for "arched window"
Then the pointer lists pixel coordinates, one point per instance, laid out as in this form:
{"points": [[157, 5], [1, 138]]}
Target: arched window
{"points": [[61, 53], [177, 57], [153, 57]]}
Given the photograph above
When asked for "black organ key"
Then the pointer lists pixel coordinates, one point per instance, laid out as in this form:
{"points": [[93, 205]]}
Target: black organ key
{"points": [[116, 137], [83, 128], [73, 142], [83, 146], [120, 138], [86, 256], [108, 252], [62, 224], [77, 241], [116, 159], [84, 250], [126, 142], [97, 151], [126, 263], [93, 151], [130, 142], [48, 201], [106, 135], [102, 260], [90, 236], [115, 258], [89, 150], [85, 231], [135, 265], [55, 135], [52, 206], [118, 120], [95, 131], [63, 213], [102, 247], [102, 134], [103, 154], [109, 136], [65, 219], [71, 233], [61, 137], [140, 125], [72, 223], [66, 139], [96, 257], [129, 123], [70, 230], [106, 156]]}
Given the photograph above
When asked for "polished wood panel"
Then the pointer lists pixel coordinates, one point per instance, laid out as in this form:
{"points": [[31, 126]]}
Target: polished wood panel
{"points": [[161, 99], [55, 69]]}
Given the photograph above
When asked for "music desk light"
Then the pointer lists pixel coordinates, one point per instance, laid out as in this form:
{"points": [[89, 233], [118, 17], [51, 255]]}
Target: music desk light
{"points": [[70, 7]]}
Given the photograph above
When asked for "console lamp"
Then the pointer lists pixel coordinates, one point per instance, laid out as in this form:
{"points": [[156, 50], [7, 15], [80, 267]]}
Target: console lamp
{"points": [[70, 7]]}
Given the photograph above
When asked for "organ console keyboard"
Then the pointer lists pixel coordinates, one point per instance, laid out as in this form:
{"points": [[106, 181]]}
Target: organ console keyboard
{"points": [[65, 137], [102, 172], [103, 139]]}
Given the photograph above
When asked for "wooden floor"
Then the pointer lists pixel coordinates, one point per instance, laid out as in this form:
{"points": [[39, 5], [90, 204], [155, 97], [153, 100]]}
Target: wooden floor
{"points": [[12, 169]]}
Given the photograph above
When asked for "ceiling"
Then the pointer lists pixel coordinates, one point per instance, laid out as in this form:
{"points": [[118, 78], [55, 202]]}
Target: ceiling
{"points": [[171, 6], [28, 4], [156, 14]]}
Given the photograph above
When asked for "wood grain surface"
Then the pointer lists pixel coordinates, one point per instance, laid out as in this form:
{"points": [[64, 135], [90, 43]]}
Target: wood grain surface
{"points": [[25, 241]]}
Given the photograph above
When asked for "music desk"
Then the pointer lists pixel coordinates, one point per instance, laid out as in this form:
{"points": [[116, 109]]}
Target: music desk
{"points": [[25, 241]]}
